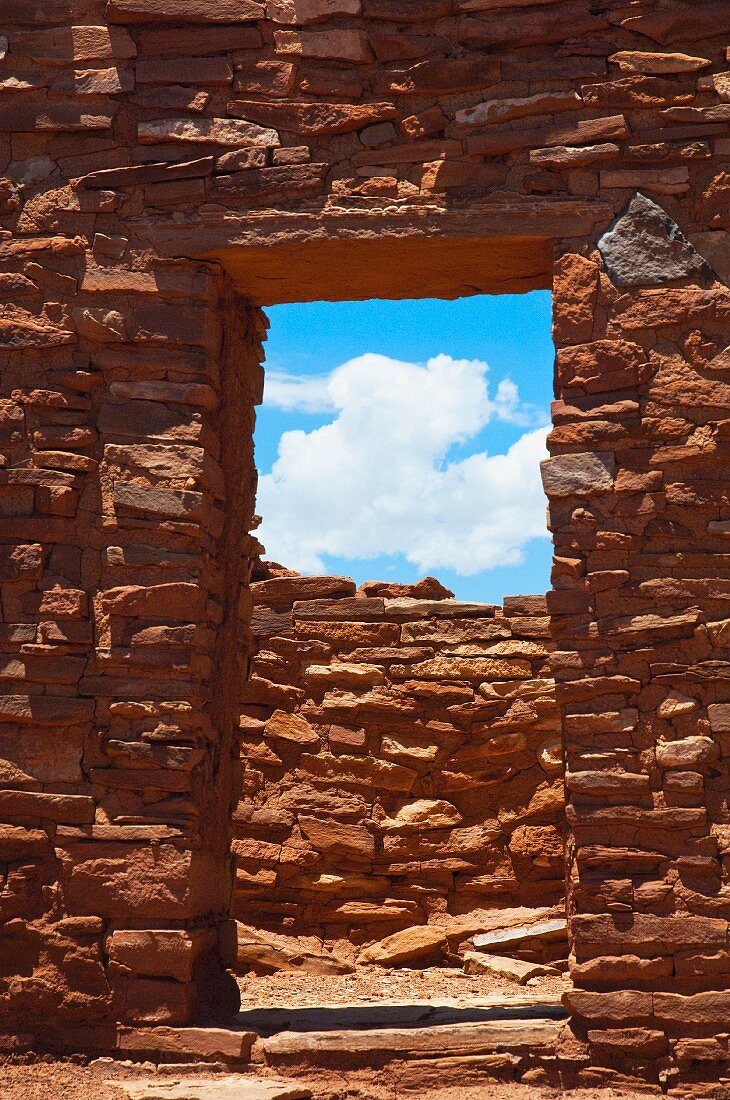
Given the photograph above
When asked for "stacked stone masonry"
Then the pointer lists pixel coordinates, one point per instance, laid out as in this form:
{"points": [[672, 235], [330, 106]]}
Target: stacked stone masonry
{"points": [[402, 763], [167, 168]]}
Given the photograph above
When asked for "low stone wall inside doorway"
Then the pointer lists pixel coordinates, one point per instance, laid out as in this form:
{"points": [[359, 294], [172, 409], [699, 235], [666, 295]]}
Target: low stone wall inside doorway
{"points": [[402, 762]]}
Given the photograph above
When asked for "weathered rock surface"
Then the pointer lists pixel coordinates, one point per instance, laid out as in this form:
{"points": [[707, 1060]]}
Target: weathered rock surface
{"points": [[508, 937], [407, 946], [514, 970], [645, 247]]}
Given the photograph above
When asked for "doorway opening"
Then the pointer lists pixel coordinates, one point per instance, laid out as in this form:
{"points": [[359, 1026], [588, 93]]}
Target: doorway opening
{"points": [[402, 804]]}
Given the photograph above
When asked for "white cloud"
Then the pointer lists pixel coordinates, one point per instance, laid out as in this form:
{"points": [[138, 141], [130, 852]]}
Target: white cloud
{"points": [[377, 479], [294, 391]]}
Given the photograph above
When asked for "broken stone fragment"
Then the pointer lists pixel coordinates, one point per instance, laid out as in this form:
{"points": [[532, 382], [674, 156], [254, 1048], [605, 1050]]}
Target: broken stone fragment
{"points": [[290, 727], [211, 1087], [676, 704], [721, 84], [641, 61], [501, 110], [690, 752], [410, 944], [423, 814], [719, 715], [645, 247], [191, 11], [501, 966], [216, 131], [331, 45], [264, 953], [344, 673], [312, 119]]}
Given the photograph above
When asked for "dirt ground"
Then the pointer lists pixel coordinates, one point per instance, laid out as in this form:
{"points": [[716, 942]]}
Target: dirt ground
{"points": [[371, 984], [54, 1081], [63, 1081]]}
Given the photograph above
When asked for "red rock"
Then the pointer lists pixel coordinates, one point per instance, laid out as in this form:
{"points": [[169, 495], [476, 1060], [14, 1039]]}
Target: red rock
{"points": [[312, 119], [18, 843], [77, 44], [213, 131], [190, 11], [351, 842], [335, 45], [637, 1042], [261, 186], [310, 11], [441, 76], [642, 61], [176, 600], [699, 1009], [167, 954], [197, 1043], [406, 946], [500, 110], [686, 24], [622, 1007], [565, 157], [507, 138], [265, 78], [577, 278]]}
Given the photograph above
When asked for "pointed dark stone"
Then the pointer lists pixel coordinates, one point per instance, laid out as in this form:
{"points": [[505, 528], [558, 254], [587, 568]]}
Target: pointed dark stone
{"points": [[645, 247]]}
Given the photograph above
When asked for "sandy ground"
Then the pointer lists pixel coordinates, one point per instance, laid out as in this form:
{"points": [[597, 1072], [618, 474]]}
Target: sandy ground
{"points": [[63, 1081], [371, 984], [54, 1081]]}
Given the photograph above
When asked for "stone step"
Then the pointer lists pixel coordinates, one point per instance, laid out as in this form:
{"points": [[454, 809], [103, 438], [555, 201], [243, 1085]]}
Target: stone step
{"points": [[418, 1026], [204, 1044], [361, 1016], [377, 1047], [219, 1087]]}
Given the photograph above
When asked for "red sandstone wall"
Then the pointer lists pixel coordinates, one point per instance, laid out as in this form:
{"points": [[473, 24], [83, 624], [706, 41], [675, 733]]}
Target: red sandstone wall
{"points": [[292, 141], [127, 482], [639, 498], [402, 761]]}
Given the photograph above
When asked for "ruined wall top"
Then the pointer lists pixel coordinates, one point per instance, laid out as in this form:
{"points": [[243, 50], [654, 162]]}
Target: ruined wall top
{"points": [[184, 126]]}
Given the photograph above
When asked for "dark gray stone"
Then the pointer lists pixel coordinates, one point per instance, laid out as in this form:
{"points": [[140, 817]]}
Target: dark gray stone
{"points": [[645, 247]]}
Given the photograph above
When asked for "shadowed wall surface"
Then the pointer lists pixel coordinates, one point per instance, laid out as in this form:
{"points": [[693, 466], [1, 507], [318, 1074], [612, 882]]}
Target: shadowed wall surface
{"points": [[165, 170]]}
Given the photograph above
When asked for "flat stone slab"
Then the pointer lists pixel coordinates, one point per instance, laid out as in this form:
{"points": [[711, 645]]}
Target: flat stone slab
{"points": [[556, 929], [438, 1042], [214, 1088], [200, 1043], [385, 1014]]}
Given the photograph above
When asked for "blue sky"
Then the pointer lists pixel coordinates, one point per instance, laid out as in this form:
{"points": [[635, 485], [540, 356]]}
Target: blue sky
{"points": [[392, 416]]}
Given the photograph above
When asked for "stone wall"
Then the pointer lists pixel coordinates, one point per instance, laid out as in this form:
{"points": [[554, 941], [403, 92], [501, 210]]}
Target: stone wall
{"points": [[347, 149], [128, 475], [639, 612], [402, 761]]}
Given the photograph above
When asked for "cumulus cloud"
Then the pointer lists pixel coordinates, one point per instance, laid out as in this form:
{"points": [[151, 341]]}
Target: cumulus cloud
{"points": [[378, 480]]}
